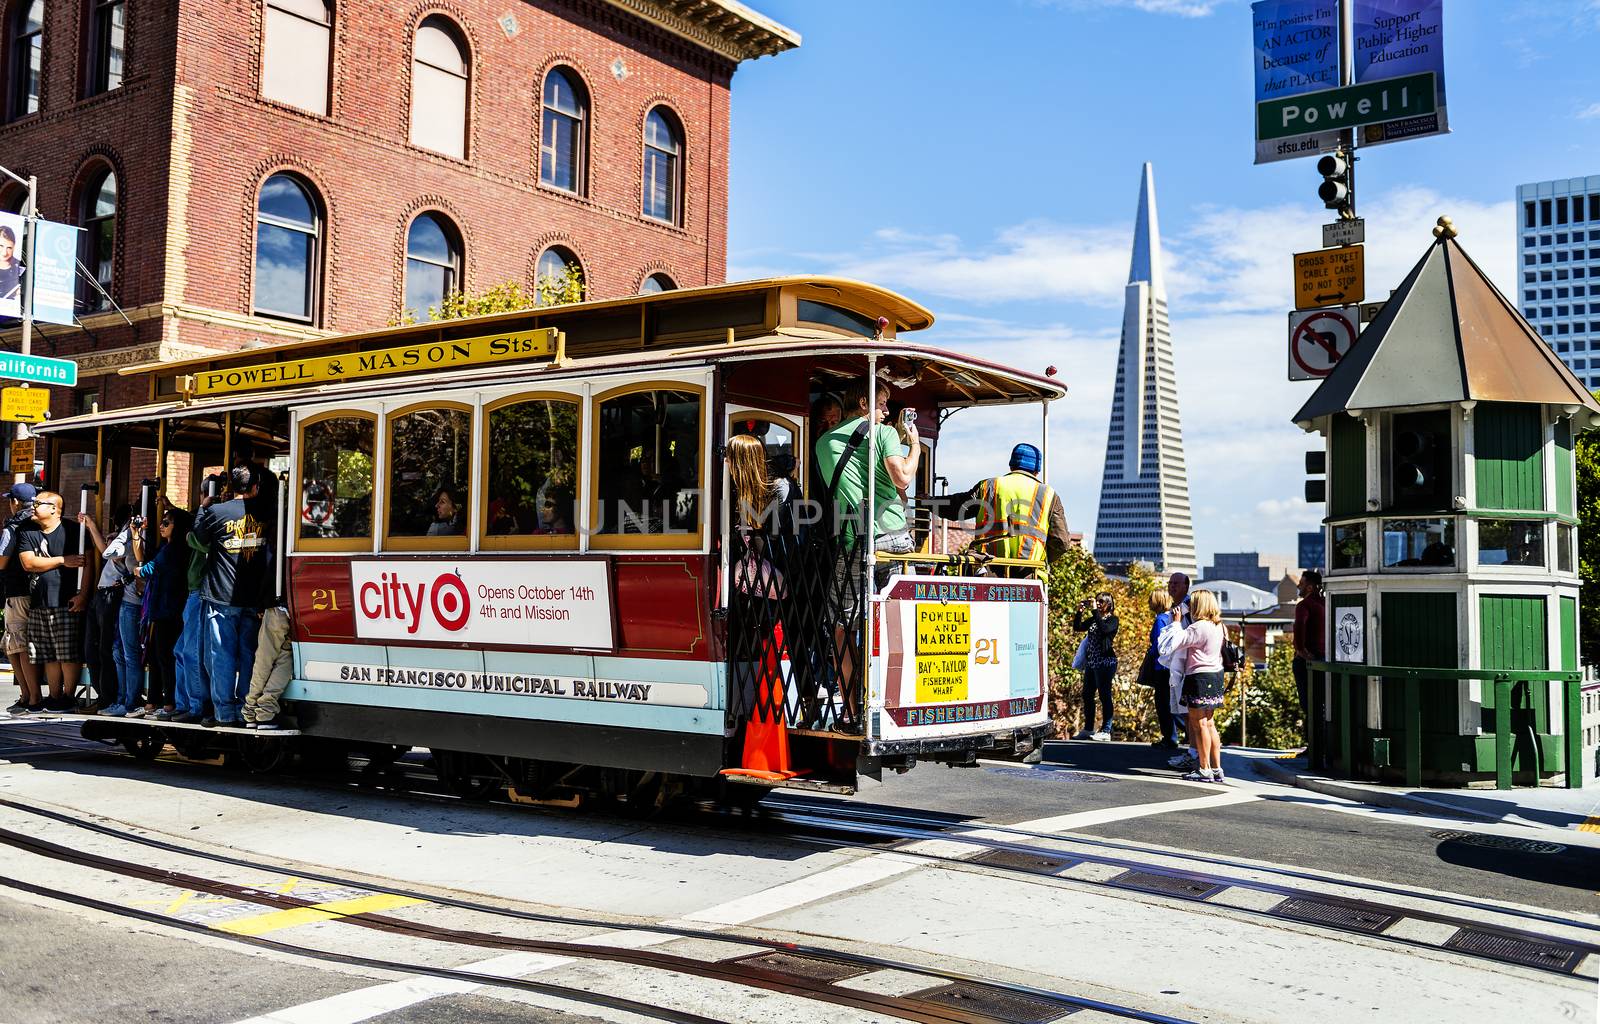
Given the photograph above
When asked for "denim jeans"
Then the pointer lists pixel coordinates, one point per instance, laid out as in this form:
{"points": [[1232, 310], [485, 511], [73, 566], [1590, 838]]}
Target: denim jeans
{"points": [[1098, 681], [130, 674], [194, 687], [230, 654]]}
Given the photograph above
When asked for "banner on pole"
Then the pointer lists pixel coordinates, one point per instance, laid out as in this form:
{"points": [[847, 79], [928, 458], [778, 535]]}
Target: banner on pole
{"points": [[1296, 51], [11, 228], [1393, 39], [54, 273]]}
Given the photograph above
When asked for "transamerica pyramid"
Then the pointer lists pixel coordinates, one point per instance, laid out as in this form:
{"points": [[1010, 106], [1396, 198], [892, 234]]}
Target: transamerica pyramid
{"points": [[1144, 491]]}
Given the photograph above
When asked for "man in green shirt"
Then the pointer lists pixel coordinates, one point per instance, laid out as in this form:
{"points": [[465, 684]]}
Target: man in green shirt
{"points": [[892, 474]]}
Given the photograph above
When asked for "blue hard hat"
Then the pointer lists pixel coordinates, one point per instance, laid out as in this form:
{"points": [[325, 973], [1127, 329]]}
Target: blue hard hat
{"points": [[1026, 457]]}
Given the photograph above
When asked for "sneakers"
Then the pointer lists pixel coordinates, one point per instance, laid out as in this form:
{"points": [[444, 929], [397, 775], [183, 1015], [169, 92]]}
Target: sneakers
{"points": [[1182, 756], [1201, 775], [1101, 737], [1185, 763], [209, 722], [185, 718], [1083, 734], [20, 707], [270, 725], [137, 711], [64, 704], [114, 711], [161, 715], [37, 709], [229, 723]]}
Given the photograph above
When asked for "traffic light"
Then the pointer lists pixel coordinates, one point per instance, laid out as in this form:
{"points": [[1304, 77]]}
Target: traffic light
{"points": [[1335, 190], [1419, 463], [1316, 466]]}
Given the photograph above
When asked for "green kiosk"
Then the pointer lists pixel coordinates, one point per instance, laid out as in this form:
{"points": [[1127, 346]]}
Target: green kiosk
{"points": [[1452, 583]]}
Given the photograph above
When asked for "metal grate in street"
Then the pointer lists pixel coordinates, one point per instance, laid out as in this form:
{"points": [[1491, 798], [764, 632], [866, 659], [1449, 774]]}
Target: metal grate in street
{"points": [[1016, 860], [1337, 915], [996, 1003], [1489, 842], [1166, 885], [814, 968], [1548, 956]]}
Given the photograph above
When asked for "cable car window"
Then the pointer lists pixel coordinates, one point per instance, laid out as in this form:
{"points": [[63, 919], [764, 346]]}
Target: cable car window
{"points": [[531, 487], [336, 474], [649, 462], [779, 442], [430, 453], [836, 317]]}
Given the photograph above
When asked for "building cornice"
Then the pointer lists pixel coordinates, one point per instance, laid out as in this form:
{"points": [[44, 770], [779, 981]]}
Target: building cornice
{"points": [[725, 27]]}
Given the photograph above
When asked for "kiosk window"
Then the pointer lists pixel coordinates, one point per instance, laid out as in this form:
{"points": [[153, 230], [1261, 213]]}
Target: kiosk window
{"points": [[649, 468], [1510, 542], [532, 482], [430, 452], [336, 477]]}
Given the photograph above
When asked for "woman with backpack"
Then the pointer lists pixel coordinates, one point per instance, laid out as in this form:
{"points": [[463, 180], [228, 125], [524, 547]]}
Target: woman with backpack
{"points": [[1200, 647]]}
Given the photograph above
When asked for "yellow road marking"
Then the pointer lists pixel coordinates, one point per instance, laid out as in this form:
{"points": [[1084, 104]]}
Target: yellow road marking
{"points": [[177, 904], [276, 919], [1592, 825]]}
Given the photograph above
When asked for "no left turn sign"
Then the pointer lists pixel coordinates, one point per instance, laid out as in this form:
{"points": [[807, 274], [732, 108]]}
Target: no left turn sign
{"points": [[1319, 338]]}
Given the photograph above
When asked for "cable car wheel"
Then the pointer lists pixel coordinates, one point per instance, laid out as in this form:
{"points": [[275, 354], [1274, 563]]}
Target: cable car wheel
{"points": [[468, 776], [191, 744], [144, 745], [265, 755]]}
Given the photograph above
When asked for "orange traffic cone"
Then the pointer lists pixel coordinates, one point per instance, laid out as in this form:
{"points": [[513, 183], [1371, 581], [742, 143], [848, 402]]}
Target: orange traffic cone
{"points": [[766, 738]]}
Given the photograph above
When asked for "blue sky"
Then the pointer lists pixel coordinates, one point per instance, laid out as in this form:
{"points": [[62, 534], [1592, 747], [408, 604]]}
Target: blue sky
{"points": [[983, 158]]}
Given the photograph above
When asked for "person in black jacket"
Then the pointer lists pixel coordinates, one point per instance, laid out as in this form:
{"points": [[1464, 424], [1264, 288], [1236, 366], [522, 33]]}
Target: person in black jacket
{"points": [[1099, 623]]}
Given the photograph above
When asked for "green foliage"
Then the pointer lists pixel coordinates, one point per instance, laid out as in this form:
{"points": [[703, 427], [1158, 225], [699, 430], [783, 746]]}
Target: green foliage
{"points": [[506, 297], [1587, 456], [1076, 577], [1271, 704]]}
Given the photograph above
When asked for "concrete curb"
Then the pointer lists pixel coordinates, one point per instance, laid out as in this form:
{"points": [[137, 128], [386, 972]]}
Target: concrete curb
{"points": [[1404, 801]]}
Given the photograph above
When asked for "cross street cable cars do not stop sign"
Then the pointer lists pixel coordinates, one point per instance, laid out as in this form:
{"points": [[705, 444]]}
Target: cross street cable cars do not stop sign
{"points": [[1319, 338]]}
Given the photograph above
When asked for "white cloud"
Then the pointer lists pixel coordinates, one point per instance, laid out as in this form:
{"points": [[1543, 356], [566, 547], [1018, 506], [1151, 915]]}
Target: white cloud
{"points": [[1180, 8], [1590, 112]]}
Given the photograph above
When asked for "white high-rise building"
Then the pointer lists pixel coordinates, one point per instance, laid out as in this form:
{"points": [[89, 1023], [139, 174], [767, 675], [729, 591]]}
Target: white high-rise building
{"points": [[1144, 491], [1558, 267]]}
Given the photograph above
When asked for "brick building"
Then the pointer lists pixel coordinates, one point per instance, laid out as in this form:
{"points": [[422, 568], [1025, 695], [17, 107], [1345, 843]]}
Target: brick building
{"points": [[254, 172]]}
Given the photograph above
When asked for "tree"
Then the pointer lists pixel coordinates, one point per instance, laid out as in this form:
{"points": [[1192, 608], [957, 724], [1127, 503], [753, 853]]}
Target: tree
{"points": [[1271, 702], [1587, 457], [506, 297]]}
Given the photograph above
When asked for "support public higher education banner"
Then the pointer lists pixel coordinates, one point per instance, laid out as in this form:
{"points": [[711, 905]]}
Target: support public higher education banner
{"points": [[1395, 38]]}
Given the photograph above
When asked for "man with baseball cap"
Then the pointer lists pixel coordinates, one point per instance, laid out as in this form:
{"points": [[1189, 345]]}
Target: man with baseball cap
{"points": [[15, 583], [1019, 516]]}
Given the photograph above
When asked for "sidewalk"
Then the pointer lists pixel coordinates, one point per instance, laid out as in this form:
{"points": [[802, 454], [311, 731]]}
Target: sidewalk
{"points": [[1544, 808]]}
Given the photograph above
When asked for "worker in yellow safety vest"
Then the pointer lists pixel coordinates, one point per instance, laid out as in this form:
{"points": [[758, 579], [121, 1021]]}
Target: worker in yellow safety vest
{"points": [[1019, 515]]}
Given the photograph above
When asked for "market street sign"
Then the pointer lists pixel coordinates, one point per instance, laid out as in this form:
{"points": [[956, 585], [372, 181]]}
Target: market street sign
{"points": [[24, 405], [1387, 99], [1329, 277], [39, 369], [1318, 339], [1344, 232]]}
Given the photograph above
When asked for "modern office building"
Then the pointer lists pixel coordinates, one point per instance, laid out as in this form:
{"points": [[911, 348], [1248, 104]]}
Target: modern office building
{"points": [[1558, 268], [254, 173], [1264, 572], [1144, 489]]}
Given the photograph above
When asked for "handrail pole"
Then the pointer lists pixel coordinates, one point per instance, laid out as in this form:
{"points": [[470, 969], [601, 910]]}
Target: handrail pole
{"points": [[1345, 764], [1413, 730], [1502, 731], [1572, 729]]}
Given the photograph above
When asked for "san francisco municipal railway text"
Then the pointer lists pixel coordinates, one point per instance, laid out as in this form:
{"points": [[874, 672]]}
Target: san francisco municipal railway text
{"points": [[498, 682]]}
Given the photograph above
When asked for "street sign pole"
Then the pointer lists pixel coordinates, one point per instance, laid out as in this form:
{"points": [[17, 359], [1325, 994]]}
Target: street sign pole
{"points": [[1347, 76]]}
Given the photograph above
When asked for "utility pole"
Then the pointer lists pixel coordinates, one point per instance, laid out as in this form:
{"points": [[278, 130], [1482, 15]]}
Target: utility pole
{"points": [[1347, 76], [30, 213]]}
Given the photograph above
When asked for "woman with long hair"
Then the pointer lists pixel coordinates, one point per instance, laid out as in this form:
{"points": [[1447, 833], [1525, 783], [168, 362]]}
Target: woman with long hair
{"points": [[752, 596], [1099, 622], [166, 594], [1203, 685]]}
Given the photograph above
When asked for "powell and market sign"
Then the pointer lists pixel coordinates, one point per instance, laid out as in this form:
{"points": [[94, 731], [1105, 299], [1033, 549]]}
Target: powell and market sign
{"points": [[439, 355], [1297, 64]]}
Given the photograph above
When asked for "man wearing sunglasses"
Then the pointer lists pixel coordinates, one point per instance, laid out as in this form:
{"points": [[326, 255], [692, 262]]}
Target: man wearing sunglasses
{"points": [[59, 592]]}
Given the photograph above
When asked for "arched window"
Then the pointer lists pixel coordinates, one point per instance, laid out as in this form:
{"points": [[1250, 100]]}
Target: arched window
{"points": [[663, 167], [433, 263], [27, 58], [657, 283], [105, 50], [559, 277], [297, 53], [563, 140], [439, 88], [97, 242], [288, 250]]}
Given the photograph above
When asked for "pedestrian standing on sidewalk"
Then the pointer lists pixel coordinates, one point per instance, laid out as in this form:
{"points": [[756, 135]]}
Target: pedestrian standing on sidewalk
{"points": [[1099, 624], [26, 674], [59, 593], [1203, 684], [1157, 676], [1310, 641]]}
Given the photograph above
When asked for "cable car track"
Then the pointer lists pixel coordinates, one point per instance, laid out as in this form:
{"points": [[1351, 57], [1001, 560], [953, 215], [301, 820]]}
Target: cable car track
{"points": [[915, 1007]]}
